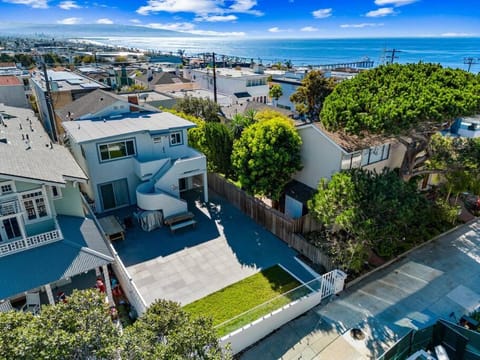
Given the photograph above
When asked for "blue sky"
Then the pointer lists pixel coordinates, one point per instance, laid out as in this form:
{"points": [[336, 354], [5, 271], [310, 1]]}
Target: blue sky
{"points": [[262, 18]]}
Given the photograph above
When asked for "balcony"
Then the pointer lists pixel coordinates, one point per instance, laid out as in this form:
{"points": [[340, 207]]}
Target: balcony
{"points": [[145, 169], [30, 242]]}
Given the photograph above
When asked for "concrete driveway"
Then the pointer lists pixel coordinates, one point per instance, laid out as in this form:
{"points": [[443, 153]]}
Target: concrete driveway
{"points": [[439, 280], [225, 246]]}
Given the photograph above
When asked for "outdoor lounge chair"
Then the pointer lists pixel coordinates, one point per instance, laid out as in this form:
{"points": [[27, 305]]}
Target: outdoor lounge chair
{"points": [[33, 303], [6, 305]]}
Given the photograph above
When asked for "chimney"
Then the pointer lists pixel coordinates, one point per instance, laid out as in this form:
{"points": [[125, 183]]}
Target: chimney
{"points": [[133, 99]]}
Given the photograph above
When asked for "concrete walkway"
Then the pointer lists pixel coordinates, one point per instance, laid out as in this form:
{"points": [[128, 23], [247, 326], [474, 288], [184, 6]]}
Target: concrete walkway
{"points": [[439, 280], [226, 246]]}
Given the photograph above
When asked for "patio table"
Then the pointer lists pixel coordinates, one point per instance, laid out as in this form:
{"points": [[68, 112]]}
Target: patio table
{"points": [[112, 228]]}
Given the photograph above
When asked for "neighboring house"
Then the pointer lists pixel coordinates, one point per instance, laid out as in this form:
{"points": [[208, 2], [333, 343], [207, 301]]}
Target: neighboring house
{"points": [[65, 87], [289, 87], [325, 153], [242, 84], [468, 127], [12, 92], [153, 98], [231, 110], [46, 239], [162, 81], [138, 159], [222, 100], [103, 74], [101, 104]]}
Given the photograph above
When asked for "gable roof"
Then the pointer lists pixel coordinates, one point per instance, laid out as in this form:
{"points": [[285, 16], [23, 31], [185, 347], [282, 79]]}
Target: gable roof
{"points": [[349, 143], [92, 103], [27, 152], [82, 249], [162, 78]]}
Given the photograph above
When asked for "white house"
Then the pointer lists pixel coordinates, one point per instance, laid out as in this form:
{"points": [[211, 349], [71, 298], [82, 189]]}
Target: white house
{"points": [[325, 153], [46, 238], [141, 159], [241, 84], [12, 91]]}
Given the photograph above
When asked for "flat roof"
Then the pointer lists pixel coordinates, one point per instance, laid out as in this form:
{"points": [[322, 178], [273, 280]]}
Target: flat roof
{"points": [[9, 80], [66, 81], [26, 150], [90, 130], [227, 72]]}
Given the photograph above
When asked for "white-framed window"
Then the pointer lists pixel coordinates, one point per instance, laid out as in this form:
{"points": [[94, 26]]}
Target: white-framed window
{"points": [[35, 205], [375, 154], [116, 150], [56, 193], [7, 187], [157, 139], [176, 138]]}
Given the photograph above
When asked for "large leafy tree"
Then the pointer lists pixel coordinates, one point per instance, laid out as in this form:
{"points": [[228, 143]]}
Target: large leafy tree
{"points": [[167, 332], [409, 102], [267, 154], [205, 109], [215, 140], [309, 97], [78, 329], [275, 92], [363, 211]]}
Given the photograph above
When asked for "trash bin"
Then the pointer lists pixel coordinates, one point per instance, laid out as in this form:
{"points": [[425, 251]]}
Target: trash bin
{"points": [[339, 277]]}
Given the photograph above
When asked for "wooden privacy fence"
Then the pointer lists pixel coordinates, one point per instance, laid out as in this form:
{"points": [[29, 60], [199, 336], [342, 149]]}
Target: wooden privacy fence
{"points": [[277, 223]]}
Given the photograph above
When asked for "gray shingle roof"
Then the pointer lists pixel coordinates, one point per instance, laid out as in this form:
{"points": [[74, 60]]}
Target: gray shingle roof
{"points": [[28, 153], [89, 130], [162, 78], [82, 249]]}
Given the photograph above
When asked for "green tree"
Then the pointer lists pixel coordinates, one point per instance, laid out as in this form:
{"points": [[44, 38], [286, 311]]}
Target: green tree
{"points": [[78, 329], [167, 332], [409, 102], [215, 140], [266, 156], [275, 92], [363, 211], [309, 97], [205, 109]]}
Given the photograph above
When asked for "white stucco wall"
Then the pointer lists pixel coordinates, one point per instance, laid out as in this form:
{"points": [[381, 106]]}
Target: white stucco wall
{"points": [[13, 95], [321, 158]]}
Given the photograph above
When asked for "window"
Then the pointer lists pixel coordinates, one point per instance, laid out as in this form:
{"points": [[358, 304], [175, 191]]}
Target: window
{"points": [[34, 204], [6, 188], [116, 150], [56, 192], [375, 154], [351, 161], [157, 139], [176, 138]]}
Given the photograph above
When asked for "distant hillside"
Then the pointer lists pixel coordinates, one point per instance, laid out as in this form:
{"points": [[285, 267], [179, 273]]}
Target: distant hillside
{"points": [[86, 30]]}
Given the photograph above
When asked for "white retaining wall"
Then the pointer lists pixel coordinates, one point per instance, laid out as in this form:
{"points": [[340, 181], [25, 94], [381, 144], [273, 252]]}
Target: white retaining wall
{"points": [[251, 333]]}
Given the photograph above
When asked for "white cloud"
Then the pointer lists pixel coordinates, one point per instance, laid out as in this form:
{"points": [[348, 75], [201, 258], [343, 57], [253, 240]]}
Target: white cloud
{"points": [[395, 3], [381, 12], [199, 7], [190, 28], [68, 5], [361, 25], [135, 21], [276, 29], [217, 18], [322, 13], [309, 29], [70, 21], [37, 4], [455, 34], [179, 26], [104, 21]]}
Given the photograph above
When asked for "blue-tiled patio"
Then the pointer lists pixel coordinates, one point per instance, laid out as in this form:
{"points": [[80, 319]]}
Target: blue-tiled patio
{"points": [[224, 247]]}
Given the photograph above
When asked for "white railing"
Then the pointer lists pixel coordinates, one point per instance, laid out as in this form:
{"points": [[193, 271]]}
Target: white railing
{"points": [[318, 289], [123, 277], [30, 242]]}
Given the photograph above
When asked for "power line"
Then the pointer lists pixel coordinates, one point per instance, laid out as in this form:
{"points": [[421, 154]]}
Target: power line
{"points": [[470, 61]]}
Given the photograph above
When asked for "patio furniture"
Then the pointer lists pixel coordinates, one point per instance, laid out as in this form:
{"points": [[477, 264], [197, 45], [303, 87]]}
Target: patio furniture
{"points": [[178, 221], [112, 228], [6, 305], [33, 303]]}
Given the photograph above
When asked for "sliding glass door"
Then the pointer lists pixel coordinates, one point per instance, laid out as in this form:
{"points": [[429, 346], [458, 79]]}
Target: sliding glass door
{"points": [[114, 194]]}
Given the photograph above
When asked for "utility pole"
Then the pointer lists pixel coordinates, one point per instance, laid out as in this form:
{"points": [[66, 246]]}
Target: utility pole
{"points": [[48, 101], [214, 79], [391, 58], [470, 61]]}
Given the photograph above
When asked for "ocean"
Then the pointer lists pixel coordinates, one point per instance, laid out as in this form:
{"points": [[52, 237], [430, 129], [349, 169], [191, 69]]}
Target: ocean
{"points": [[448, 51]]}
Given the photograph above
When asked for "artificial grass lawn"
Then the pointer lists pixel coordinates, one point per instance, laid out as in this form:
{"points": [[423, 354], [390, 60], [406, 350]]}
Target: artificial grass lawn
{"points": [[244, 295]]}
